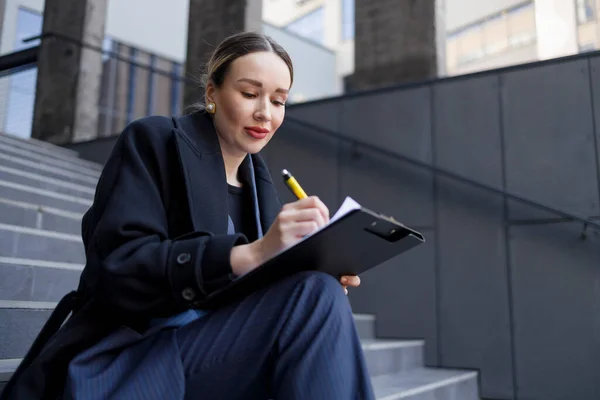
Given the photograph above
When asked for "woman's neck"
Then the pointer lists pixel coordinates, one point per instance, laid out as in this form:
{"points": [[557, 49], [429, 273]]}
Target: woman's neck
{"points": [[232, 167], [232, 161]]}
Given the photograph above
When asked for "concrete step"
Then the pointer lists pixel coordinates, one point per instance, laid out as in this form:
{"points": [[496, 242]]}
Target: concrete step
{"points": [[36, 280], [37, 144], [420, 384], [35, 216], [427, 384], [44, 182], [423, 384], [47, 149], [69, 164], [26, 165], [386, 357], [31, 243], [45, 198], [21, 322], [7, 367], [365, 324]]}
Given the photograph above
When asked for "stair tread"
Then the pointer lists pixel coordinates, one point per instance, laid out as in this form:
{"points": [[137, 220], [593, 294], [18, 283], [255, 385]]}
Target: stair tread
{"points": [[383, 343], [7, 367], [32, 262], [38, 146], [70, 164], [406, 383]]}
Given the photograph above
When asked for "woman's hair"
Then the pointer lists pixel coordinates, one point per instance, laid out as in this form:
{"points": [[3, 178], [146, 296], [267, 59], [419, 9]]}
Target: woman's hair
{"points": [[232, 48]]}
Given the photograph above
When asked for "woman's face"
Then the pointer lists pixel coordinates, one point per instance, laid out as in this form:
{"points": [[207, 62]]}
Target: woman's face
{"points": [[250, 102]]}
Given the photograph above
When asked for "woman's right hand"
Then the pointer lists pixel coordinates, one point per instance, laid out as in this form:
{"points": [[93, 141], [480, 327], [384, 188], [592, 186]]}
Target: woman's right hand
{"points": [[294, 221]]}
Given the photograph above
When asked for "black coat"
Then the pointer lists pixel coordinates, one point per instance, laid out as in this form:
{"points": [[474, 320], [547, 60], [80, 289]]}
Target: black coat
{"points": [[155, 238]]}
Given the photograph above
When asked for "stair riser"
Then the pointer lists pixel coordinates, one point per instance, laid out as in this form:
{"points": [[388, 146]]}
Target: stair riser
{"points": [[67, 164], [365, 327], [15, 215], [25, 283], [50, 171], [43, 200], [24, 245], [86, 193], [18, 330], [391, 360]]}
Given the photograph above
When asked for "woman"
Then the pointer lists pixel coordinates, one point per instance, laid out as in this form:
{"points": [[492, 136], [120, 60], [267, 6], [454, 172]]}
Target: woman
{"points": [[179, 212]]}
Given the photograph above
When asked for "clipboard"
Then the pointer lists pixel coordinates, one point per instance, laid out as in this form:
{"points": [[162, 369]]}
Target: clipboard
{"points": [[355, 240]]}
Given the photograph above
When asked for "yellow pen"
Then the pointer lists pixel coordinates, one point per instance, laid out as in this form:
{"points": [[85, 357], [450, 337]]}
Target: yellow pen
{"points": [[293, 184]]}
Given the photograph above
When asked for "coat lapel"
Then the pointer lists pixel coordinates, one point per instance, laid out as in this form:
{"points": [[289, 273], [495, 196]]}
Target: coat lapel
{"points": [[204, 173], [203, 169]]}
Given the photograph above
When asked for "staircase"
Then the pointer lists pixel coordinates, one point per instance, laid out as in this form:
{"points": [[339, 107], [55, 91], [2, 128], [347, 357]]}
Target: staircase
{"points": [[44, 190]]}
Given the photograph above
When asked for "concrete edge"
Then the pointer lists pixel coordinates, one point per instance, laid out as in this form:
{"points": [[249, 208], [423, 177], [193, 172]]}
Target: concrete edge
{"points": [[27, 305], [24, 262]]}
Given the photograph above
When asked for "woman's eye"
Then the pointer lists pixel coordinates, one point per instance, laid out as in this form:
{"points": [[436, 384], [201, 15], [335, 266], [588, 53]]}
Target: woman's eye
{"points": [[278, 103], [248, 95]]}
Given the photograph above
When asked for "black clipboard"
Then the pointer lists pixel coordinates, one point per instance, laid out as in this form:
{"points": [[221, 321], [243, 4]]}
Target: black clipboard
{"points": [[352, 244]]}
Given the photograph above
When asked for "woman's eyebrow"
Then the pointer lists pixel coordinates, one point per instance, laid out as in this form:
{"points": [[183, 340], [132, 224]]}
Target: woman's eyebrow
{"points": [[259, 84]]}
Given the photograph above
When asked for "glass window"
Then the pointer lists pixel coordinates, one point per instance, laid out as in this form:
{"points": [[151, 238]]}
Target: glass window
{"points": [[587, 47], [585, 11], [495, 34], [521, 25], [347, 19], [20, 99], [310, 26], [451, 53], [470, 45], [131, 85], [176, 88], [588, 34], [29, 24]]}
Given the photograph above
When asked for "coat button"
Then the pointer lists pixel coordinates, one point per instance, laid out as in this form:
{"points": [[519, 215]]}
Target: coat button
{"points": [[189, 294], [183, 258]]}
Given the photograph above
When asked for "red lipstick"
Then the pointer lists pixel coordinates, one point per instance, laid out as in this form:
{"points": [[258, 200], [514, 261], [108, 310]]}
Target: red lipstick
{"points": [[257, 132]]}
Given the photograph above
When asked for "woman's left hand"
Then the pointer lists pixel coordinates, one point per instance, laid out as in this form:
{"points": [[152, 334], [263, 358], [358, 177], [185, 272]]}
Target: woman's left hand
{"points": [[349, 280]]}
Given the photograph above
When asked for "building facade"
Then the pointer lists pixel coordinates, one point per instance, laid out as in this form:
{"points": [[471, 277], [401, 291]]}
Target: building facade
{"points": [[143, 63], [145, 47]]}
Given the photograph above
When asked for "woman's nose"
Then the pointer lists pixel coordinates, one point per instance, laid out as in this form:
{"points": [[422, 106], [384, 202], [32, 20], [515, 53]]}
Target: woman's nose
{"points": [[264, 112]]}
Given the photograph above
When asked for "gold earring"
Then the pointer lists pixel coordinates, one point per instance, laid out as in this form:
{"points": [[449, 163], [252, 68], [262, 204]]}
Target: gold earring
{"points": [[211, 107]]}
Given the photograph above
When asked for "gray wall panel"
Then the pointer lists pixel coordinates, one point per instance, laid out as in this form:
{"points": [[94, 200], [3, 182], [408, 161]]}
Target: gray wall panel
{"points": [[398, 121], [402, 294], [549, 137], [556, 286], [311, 157], [323, 114], [474, 315], [595, 85], [467, 129], [388, 186]]}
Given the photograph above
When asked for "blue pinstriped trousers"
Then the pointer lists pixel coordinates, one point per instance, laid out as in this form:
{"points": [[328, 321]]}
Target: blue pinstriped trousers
{"points": [[293, 340]]}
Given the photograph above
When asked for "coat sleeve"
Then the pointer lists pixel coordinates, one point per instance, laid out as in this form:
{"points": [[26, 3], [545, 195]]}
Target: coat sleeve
{"points": [[133, 267]]}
